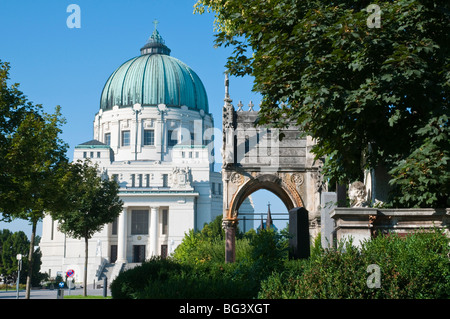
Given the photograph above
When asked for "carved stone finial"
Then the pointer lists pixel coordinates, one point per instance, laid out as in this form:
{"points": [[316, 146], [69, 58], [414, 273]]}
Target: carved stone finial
{"points": [[227, 86], [240, 105], [250, 106]]}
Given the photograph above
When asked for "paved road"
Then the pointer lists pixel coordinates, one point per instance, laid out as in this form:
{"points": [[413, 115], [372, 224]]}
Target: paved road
{"points": [[49, 294]]}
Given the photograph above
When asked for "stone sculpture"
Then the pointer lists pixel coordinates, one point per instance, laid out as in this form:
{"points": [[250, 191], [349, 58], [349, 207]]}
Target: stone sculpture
{"points": [[357, 194]]}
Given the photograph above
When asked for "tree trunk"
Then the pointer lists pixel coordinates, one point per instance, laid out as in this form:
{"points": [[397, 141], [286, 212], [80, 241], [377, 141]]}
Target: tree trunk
{"points": [[85, 266], [30, 260]]}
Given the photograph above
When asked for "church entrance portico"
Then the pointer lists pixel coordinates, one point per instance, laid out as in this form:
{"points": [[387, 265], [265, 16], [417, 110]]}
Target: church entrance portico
{"points": [[138, 233]]}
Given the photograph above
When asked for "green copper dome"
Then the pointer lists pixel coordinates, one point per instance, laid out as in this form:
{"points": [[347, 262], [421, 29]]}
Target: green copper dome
{"points": [[154, 78]]}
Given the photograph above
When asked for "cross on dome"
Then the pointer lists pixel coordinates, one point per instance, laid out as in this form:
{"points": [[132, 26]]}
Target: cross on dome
{"points": [[155, 44]]}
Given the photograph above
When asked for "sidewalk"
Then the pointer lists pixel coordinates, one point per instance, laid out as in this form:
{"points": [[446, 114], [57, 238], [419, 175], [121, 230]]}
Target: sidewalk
{"points": [[50, 294]]}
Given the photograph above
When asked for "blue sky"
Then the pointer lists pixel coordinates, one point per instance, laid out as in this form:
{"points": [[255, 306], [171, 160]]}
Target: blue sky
{"points": [[58, 65]]}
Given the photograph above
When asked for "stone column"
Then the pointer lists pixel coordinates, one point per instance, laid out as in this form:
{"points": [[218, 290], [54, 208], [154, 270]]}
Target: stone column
{"points": [[160, 132], [122, 237], [154, 227], [230, 240]]}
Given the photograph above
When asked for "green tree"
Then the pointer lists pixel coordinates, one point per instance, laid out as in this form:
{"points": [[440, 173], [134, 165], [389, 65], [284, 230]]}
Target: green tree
{"points": [[422, 178], [31, 154], [13, 108], [11, 245], [91, 201], [34, 159], [364, 93]]}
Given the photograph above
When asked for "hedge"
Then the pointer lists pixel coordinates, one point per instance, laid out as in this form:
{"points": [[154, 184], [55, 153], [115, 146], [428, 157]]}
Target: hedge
{"points": [[415, 266]]}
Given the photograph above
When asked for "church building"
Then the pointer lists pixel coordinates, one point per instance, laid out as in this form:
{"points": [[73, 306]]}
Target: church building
{"points": [[153, 134]]}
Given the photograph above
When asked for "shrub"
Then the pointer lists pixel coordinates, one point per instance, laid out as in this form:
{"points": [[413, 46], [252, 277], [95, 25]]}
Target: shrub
{"points": [[198, 269], [131, 281], [416, 266], [168, 279]]}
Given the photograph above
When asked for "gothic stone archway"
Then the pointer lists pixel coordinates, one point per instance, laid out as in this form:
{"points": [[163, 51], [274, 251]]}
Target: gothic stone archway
{"points": [[254, 158], [282, 184]]}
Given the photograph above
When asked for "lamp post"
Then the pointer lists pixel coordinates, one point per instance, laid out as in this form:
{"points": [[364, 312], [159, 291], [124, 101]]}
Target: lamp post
{"points": [[19, 259]]}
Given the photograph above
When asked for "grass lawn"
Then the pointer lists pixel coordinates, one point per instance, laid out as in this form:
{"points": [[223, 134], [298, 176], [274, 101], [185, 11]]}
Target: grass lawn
{"points": [[87, 297]]}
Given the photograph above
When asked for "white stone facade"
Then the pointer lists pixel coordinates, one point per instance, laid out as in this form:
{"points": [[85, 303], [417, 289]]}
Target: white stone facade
{"points": [[154, 135], [167, 189]]}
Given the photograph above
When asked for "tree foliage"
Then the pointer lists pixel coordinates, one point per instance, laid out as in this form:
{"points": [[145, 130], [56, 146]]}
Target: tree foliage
{"points": [[365, 94], [12, 244], [31, 155], [14, 106], [91, 200], [207, 245]]}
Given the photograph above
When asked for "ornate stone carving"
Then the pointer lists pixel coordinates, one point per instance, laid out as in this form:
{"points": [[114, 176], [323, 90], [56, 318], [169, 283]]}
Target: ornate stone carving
{"points": [[228, 116], [321, 185], [297, 179], [357, 195], [181, 177], [293, 193], [227, 128], [240, 105], [229, 223], [236, 178]]}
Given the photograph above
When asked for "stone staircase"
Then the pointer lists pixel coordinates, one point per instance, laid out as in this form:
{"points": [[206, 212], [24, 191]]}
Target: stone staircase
{"points": [[107, 271], [111, 271]]}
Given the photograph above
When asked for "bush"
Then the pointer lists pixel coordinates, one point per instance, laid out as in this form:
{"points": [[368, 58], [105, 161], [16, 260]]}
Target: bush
{"points": [[208, 245], [198, 269], [165, 278], [416, 266], [130, 282]]}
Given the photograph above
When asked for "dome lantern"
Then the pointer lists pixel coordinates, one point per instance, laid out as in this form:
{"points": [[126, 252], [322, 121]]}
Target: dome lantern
{"points": [[155, 44]]}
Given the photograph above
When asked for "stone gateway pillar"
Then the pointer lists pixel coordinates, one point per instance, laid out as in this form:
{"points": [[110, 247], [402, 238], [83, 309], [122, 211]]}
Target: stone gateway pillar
{"points": [[230, 240]]}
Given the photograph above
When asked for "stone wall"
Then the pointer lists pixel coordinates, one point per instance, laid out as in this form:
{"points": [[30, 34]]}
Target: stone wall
{"points": [[363, 223]]}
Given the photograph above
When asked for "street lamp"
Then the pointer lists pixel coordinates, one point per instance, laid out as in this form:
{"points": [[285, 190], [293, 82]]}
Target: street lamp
{"points": [[19, 259]]}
